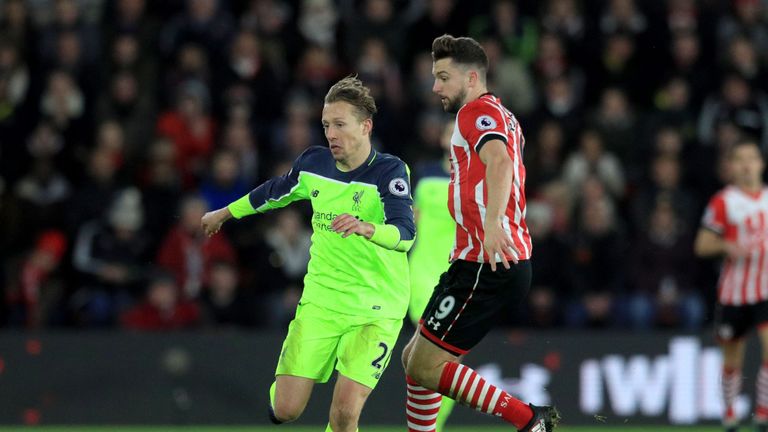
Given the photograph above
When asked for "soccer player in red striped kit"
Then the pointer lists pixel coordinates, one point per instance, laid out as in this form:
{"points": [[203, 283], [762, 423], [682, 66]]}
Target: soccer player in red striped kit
{"points": [[490, 264], [735, 226]]}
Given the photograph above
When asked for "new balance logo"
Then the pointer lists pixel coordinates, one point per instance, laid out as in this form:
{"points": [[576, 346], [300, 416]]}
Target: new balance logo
{"points": [[539, 427]]}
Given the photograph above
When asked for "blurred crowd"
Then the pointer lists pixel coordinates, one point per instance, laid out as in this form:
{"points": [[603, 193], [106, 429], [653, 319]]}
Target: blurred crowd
{"points": [[122, 122]]}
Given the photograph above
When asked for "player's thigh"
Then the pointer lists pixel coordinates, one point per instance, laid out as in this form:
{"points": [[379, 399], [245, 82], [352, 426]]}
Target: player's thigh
{"points": [[468, 299], [349, 397], [366, 348], [426, 362], [309, 349], [732, 324], [761, 320], [291, 395]]}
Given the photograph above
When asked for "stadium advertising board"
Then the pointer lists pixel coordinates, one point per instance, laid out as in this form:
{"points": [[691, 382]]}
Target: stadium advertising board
{"points": [[222, 378]]}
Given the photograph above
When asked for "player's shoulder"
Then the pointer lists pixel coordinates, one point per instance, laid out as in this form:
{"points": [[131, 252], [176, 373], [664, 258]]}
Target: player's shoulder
{"points": [[484, 113], [316, 153], [485, 103], [387, 162], [316, 159], [392, 174]]}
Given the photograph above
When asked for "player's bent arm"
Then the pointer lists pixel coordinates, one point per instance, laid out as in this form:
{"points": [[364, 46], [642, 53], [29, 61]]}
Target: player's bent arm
{"points": [[389, 237], [498, 177], [709, 244]]}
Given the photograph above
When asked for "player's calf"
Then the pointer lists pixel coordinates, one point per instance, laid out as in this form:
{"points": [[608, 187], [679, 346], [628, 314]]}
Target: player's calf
{"points": [[344, 418]]}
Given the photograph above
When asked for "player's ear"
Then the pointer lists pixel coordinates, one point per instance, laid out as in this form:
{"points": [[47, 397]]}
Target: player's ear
{"points": [[367, 126], [472, 77]]}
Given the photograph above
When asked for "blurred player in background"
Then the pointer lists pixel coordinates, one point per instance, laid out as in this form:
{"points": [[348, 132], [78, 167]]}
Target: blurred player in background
{"points": [[356, 288], [490, 262], [437, 231], [735, 226]]}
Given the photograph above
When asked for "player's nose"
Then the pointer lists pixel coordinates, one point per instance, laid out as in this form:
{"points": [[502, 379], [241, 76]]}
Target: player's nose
{"points": [[436, 87]]}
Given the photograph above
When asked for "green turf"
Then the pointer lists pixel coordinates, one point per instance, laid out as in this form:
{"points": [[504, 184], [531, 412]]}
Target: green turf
{"points": [[321, 429]]}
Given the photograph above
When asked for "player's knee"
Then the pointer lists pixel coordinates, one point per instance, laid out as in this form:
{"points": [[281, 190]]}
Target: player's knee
{"points": [[287, 411], [405, 355], [344, 417], [416, 371]]}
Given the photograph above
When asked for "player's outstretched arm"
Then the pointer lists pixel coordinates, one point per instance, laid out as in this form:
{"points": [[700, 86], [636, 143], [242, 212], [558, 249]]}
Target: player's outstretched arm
{"points": [[213, 220]]}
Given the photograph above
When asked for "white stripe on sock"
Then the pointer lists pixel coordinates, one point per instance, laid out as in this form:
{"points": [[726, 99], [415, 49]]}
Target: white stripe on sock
{"points": [[418, 427], [483, 393], [421, 416], [423, 407], [496, 394]]}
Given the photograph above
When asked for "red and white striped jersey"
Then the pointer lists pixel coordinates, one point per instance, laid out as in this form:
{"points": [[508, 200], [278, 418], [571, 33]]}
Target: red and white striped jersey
{"points": [[742, 218], [478, 122]]}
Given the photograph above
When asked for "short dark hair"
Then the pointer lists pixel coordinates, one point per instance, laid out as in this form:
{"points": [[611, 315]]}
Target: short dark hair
{"points": [[352, 91], [463, 50], [746, 141]]}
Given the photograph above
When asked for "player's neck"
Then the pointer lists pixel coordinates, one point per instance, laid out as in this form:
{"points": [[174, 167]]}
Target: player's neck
{"points": [[475, 93], [354, 161], [751, 188]]}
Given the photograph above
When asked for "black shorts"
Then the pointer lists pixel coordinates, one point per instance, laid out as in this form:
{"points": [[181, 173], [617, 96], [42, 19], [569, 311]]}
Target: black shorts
{"points": [[734, 322], [465, 302]]}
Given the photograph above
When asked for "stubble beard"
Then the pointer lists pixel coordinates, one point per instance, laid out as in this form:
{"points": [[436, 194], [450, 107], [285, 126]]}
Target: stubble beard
{"points": [[455, 104]]}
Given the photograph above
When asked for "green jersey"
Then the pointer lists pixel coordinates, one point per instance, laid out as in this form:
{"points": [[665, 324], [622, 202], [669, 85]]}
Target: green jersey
{"points": [[437, 232], [352, 275]]}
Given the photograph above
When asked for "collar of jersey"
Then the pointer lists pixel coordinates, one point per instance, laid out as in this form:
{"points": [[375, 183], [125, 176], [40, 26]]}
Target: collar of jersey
{"points": [[368, 161]]}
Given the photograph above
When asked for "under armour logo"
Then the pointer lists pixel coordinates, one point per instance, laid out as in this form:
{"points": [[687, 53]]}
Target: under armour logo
{"points": [[435, 324], [315, 193]]}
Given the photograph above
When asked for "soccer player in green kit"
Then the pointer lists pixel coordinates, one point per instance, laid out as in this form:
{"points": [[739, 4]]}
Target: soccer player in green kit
{"points": [[430, 255], [356, 290]]}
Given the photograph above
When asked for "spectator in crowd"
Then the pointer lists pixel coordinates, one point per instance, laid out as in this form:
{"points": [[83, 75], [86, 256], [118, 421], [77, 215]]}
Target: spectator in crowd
{"points": [[549, 282], [544, 157], [279, 265], [225, 303], [735, 103], [98, 96], [203, 22], [191, 129], [225, 183], [188, 254], [161, 188], [162, 308], [110, 256], [663, 291], [665, 184], [95, 189], [592, 161], [616, 122], [36, 294], [596, 244]]}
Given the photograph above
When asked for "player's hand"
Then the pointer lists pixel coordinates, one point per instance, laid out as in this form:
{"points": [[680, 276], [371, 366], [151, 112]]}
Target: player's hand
{"points": [[735, 250], [212, 221], [497, 241], [346, 225]]}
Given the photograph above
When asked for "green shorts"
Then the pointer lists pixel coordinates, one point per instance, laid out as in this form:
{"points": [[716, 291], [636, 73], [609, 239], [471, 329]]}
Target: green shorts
{"points": [[319, 340]]}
